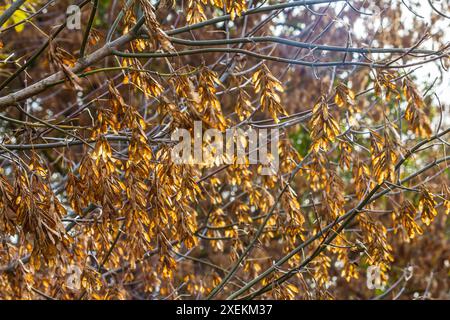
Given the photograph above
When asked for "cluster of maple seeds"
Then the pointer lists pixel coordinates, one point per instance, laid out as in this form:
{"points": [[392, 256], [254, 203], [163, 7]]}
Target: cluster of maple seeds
{"points": [[156, 197], [196, 9]]}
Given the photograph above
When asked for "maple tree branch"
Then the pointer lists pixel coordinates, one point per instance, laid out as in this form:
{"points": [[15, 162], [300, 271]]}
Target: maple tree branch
{"points": [[10, 11], [299, 44], [88, 29], [31, 16], [82, 64], [69, 143], [272, 58]]}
